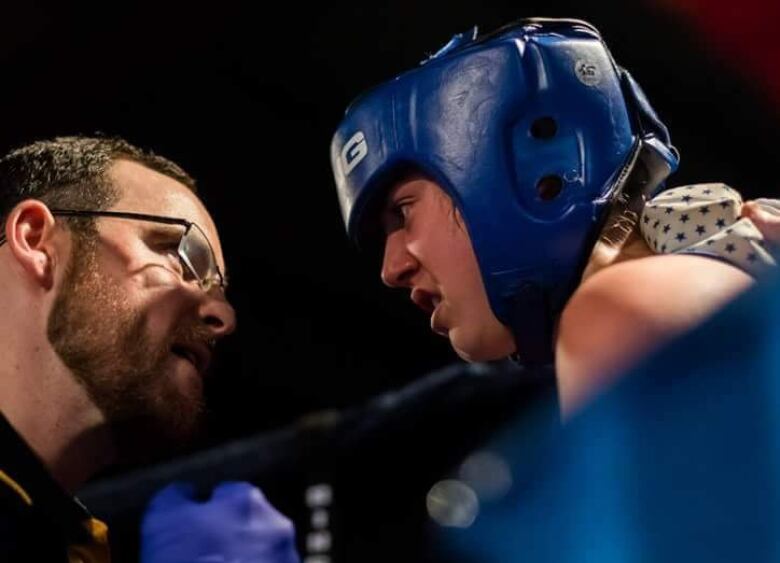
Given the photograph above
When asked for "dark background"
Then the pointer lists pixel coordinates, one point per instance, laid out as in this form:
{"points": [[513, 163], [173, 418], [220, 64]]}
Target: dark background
{"points": [[246, 97]]}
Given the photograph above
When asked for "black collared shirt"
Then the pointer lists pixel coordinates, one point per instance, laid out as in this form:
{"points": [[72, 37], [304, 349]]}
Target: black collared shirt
{"points": [[39, 521]]}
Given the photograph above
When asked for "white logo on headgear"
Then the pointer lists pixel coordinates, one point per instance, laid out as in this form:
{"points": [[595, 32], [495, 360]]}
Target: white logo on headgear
{"points": [[588, 72], [354, 151]]}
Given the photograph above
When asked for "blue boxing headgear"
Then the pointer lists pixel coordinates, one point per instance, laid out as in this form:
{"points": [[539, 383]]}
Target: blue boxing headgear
{"points": [[533, 131]]}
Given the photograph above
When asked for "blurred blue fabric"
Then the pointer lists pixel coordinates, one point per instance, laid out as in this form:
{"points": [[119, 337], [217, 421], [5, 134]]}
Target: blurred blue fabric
{"points": [[678, 462]]}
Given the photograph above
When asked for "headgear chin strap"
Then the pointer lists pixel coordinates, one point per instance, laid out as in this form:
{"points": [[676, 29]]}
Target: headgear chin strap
{"points": [[533, 131]]}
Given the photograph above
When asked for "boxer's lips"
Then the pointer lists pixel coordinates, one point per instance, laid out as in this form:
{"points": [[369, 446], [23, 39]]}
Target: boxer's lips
{"points": [[425, 299]]}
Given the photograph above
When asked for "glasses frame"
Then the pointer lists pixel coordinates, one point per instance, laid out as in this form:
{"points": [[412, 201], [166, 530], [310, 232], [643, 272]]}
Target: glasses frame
{"points": [[205, 284]]}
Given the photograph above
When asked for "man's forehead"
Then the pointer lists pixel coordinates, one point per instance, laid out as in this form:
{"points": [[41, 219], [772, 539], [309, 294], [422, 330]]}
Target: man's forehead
{"points": [[143, 190], [142, 186]]}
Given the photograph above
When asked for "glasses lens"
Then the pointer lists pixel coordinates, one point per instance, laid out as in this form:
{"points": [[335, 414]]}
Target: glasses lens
{"points": [[197, 255]]}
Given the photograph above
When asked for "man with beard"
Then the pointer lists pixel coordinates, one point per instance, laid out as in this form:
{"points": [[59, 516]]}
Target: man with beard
{"points": [[113, 299]]}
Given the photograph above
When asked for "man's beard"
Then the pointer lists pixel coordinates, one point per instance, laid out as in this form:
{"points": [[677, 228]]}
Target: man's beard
{"points": [[105, 344]]}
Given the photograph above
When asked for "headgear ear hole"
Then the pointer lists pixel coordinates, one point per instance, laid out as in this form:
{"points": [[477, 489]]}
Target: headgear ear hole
{"points": [[549, 187], [544, 128]]}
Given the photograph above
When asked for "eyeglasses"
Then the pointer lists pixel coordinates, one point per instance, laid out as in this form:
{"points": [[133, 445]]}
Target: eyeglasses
{"points": [[194, 251]]}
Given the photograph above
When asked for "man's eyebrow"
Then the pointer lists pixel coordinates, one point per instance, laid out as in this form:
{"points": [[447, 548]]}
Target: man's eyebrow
{"points": [[160, 229]]}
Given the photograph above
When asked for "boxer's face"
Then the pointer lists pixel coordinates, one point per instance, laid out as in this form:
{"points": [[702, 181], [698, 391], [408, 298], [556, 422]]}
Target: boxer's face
{"points": [[428, 250]]}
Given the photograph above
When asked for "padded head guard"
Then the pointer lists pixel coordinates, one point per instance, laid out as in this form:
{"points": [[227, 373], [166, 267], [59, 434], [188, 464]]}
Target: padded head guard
{"points": [[533, 131]]}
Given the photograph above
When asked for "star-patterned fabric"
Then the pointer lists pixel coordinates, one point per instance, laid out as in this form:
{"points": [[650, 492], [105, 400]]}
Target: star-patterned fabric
{"points": [[704, 219]]}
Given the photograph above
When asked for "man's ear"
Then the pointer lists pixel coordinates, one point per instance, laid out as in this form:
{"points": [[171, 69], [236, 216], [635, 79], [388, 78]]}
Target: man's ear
{"points": [[29, 232]]}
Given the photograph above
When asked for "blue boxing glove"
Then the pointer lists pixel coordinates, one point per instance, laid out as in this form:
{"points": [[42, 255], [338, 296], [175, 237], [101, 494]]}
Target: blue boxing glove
{"points": [[236, 525]]}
